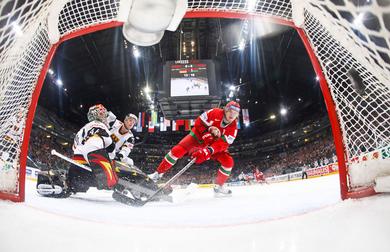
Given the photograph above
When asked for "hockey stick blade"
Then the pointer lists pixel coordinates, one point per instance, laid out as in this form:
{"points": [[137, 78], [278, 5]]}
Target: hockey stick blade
{"points": [[142, 189], [169, 182]]}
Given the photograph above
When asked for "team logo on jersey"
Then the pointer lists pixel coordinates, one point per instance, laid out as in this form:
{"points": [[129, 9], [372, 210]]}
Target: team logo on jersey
{"points": [[114, 138]]}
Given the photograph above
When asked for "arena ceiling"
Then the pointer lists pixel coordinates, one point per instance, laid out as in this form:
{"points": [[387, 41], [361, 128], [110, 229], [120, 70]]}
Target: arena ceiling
{"points": [[272, 71]]}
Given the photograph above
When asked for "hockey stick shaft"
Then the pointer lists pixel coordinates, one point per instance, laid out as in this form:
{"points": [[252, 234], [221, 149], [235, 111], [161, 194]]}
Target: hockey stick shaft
{"points": [[169, 182], [55, 153]]}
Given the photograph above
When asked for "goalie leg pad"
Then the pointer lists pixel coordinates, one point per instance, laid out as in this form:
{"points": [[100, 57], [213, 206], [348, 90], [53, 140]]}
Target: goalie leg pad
{"points": [[133, 188], [102, 169], [139, 179], [80, 180], [51, 184]]}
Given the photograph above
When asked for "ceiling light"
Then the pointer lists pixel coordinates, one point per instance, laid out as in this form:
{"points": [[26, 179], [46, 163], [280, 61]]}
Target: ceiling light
{"points": [[17, 29], [241, 46], [359, 19], [147, 90], [136, 52]]}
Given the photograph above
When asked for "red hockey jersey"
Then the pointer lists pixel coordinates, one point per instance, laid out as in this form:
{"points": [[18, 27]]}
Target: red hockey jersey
{"points": [[214, 117], [259, 176]]}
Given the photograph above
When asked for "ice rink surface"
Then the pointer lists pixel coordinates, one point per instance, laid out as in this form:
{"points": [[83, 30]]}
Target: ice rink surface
{"points": [[292, 216]]}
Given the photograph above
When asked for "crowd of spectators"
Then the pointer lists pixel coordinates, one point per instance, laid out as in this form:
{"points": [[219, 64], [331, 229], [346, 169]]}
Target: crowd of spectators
{"points": [[40, 146], [310, 155]]}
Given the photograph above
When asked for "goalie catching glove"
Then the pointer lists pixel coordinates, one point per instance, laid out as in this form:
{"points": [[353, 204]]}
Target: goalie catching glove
{"points": [[202, 155]]}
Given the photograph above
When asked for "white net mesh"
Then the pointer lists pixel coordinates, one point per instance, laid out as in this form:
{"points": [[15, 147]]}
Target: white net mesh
{"points": [[86, 13], [344, 34], [341, 45], [23, 49]]}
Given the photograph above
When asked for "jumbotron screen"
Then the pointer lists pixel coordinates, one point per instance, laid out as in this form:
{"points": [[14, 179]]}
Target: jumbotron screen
{"points": [[189, 79]]}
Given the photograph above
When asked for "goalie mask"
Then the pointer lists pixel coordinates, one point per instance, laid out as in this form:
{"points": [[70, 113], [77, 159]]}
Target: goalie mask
{"points": [[97, 113]]}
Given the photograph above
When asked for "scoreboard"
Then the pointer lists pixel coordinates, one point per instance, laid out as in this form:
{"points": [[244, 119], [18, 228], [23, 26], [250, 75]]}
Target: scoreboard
{"points": [[189, 79]]}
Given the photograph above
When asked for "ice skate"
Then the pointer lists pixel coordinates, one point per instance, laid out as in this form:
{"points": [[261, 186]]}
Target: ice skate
{"points": [[222, 191], [155, 176]]}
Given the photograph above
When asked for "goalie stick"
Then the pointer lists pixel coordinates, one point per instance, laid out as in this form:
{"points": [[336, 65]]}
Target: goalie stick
{"points": [[55, 153]]}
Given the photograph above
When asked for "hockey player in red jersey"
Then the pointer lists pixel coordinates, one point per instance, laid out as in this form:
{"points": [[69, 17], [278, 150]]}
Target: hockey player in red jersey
{"points": [[259, 176], [210, 138]]}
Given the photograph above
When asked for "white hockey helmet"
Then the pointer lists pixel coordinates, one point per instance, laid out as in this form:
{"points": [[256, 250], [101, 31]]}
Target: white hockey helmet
{"points": [[97, 112], [130, 115]]}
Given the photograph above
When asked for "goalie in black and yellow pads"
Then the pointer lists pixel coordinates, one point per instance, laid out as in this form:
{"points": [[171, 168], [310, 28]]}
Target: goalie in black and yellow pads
{"points": [[61, 183], [91, 146]]}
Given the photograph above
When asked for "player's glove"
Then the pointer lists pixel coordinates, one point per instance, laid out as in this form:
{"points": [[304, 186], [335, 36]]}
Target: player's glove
{"points": [[202, 155], [120, 156], [208, 138], [128, 161], [214, 131]]}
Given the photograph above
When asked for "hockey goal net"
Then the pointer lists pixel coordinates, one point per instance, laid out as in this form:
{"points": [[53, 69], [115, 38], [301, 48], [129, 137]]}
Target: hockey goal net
{"points": [[344, 38]]}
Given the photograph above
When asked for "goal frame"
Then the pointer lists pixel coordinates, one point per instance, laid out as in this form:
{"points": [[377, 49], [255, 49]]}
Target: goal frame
{"points": [[335, 124]]}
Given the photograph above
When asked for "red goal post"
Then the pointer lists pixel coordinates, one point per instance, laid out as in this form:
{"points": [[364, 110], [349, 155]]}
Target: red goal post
{"points": [[330, 30]]}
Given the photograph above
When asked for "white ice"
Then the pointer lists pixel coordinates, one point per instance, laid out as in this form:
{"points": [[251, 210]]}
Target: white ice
{"points": [[292, 216]]}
